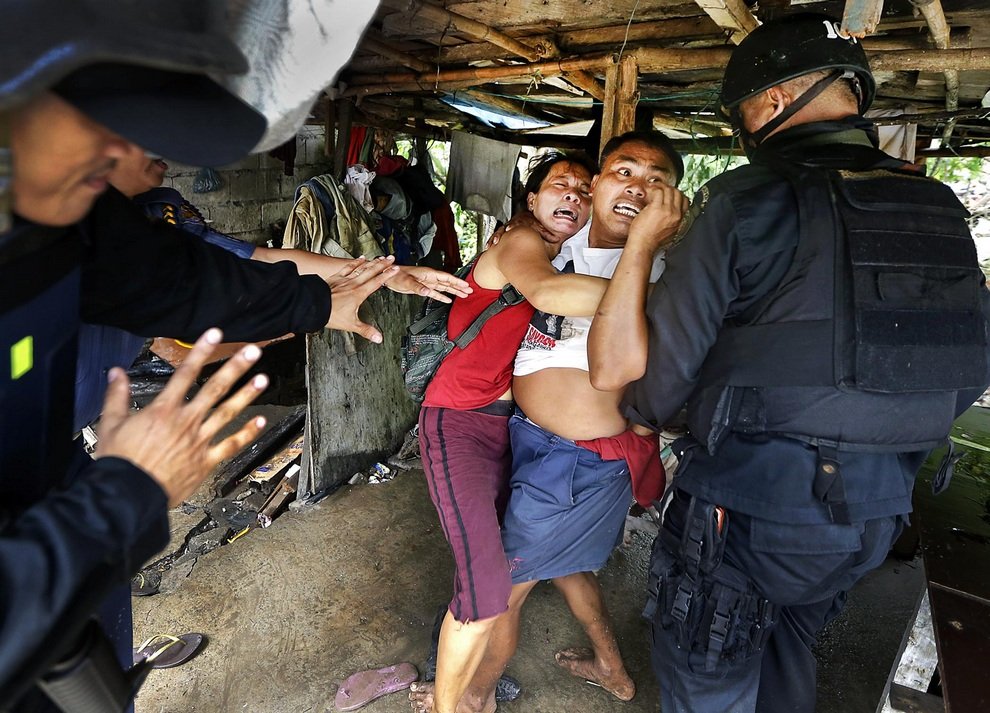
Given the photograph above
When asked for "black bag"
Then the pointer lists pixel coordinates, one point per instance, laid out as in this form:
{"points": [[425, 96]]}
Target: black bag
{"points": [[426, 343]]}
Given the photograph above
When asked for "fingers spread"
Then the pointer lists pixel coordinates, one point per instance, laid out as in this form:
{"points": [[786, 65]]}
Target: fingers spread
{"points": [[232, 444], [229, 409], [218, 384], [178, 386]]}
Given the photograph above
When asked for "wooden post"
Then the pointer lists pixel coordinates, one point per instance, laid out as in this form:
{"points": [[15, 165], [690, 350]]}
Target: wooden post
{"points": [[344, 114], [329, 127], [621, 96]]}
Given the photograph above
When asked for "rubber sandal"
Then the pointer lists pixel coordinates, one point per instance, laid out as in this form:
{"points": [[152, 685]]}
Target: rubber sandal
{"points": [[141, 586], [365, 686], [507, 689], [164, 651]]}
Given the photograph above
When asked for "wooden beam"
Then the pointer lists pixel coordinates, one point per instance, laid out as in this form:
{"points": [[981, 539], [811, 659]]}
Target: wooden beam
{"points": [[674, 29], [508, 71], [385, 50], [976, 58], [732, 16], [932, 11], [621, 96], [861, 17], [459, 23], [650, 60], [586, 81]]}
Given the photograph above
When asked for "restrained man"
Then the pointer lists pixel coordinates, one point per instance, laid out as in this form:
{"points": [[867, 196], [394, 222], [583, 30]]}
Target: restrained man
{"points": [[572, 455], [824, 319]]}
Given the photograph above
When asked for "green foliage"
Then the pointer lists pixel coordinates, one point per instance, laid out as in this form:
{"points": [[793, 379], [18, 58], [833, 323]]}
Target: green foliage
{"points": [[699, 169], [956, 169]]}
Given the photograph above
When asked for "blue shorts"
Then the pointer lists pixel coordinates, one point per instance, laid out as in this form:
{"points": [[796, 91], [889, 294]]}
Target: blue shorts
{"points": [[567, 507]]}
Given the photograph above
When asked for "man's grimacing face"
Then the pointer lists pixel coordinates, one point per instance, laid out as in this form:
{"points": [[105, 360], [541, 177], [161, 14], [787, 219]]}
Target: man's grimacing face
{"points": [[618, 192], [61, 161]]}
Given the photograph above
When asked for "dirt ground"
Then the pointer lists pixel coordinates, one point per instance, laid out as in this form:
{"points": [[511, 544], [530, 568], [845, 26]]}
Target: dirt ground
{"points": [[354, 583]]}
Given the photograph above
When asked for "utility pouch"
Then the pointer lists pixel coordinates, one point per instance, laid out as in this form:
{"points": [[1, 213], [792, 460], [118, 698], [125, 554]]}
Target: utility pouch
{"points": [[910, 282]]}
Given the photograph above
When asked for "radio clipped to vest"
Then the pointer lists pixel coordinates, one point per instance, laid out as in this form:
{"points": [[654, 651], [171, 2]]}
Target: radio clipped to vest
{"points": [[426, 342]]}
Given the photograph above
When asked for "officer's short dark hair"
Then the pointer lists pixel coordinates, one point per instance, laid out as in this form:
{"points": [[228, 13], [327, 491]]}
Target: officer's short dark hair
{"points": [[539, 167], [653, 139]]}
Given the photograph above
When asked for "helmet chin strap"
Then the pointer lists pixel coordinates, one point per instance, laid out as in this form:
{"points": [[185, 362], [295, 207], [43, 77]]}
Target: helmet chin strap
{"points": [[751, 140], [6, 175]]}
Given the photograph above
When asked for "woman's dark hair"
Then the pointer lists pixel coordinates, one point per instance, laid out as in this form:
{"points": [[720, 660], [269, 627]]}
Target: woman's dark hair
{"points": [[653, 139], [539, 167]]}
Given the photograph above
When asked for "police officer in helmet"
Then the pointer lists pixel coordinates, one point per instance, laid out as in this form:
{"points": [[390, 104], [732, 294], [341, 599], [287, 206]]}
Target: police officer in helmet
{"points": [[824, 319], [76, 76]]}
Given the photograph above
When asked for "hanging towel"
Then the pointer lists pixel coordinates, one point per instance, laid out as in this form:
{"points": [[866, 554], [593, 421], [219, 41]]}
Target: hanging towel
{"points": [[480, 174], [358, 181]]}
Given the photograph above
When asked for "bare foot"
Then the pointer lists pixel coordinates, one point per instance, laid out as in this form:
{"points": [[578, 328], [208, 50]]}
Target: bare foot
{"points": [[421, 697], [421, 700], [581, 662], [471, 702]]}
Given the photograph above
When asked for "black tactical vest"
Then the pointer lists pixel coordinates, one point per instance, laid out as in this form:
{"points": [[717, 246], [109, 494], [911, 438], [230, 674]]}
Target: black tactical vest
{"points": [[39, 319], [876, 326]]}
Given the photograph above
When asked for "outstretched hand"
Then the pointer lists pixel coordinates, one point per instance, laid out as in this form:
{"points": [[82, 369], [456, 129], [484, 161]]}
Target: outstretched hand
{"points": [[427, 282], [657, 223], [351, 292], [171, 439]]}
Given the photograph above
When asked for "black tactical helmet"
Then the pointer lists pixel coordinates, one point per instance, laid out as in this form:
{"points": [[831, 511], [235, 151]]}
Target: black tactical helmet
{"points": [[790, 47], [137, 66]]}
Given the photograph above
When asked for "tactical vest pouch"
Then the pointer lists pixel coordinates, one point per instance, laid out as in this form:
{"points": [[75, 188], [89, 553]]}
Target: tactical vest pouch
{"points": [[910, 284]]}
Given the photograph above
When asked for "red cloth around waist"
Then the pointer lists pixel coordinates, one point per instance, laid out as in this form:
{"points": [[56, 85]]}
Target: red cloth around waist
{"points": [[642, 456]]}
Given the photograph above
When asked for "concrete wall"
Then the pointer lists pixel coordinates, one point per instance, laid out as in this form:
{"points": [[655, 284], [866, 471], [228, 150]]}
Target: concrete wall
{"points": [[255, 193]]}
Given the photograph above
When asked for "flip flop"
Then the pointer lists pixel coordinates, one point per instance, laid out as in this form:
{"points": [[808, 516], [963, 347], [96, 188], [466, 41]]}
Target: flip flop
{"points": [[164, 651], [507, 689], [141, 586], [365, 686]]}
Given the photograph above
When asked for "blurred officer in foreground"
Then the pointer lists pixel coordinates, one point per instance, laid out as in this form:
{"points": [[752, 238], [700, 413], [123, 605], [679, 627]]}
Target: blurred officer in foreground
{"points": [[74, 78]]}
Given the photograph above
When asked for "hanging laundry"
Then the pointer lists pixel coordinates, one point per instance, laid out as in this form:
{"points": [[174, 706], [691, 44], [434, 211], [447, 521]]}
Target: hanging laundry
{"points": [[445, 239], [286, 153], [327, 219], [282, 81], [899, 140], [480, 174], [358, 181], [355, 144]]}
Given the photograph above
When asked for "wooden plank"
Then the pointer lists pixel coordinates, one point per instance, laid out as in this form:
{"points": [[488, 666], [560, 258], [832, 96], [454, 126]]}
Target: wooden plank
{"points": [[268, 443], [733, 16], [908, 700], [479, 30], [577, 14]]}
